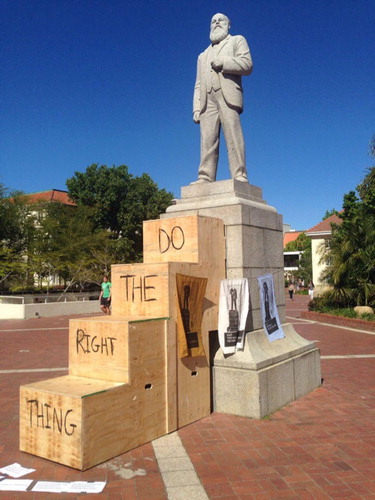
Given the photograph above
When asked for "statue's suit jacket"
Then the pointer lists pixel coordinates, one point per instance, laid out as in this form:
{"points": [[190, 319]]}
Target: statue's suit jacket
{"points": [[235, 54]]}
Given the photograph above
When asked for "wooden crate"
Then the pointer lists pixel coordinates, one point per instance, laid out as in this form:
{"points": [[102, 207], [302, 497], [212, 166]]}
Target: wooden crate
{"points": [[140, 290], [99, 346], [82, 421], [183, 239], [126, 383], [171, 240]]}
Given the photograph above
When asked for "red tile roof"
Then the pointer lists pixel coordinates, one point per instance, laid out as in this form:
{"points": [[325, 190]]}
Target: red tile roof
{"points": [[325, 225], [291, 236], [53, 195]]}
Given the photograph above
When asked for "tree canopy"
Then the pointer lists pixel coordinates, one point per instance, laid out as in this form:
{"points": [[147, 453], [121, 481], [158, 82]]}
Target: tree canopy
{"points": [[45, 242], [351, 269], [303, 244], [329, 213], [120, 203]]}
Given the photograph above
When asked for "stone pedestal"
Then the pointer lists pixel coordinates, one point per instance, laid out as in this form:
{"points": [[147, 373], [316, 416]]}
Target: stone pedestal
{"points": [[253, 234], [266, 375]]}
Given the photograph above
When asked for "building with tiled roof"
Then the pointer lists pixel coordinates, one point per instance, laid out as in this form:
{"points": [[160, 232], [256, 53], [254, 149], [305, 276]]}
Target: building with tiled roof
{"points": [[291, 257], [290, 236], [53, 195], [320, 236], [324, 227], [50, 196]]}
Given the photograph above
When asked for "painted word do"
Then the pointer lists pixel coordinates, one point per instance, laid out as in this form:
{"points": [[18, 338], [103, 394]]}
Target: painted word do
{"points": [[176, 239]]}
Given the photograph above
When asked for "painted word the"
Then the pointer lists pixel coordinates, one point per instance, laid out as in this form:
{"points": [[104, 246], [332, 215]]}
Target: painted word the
{"points": [[88, 343], [176, 239], [138, 287], [45, 416]]}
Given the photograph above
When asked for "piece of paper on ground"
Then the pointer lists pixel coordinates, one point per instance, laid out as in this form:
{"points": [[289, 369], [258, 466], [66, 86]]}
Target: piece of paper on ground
{"points": [[73, 487], [15, 470], [15, 484]]}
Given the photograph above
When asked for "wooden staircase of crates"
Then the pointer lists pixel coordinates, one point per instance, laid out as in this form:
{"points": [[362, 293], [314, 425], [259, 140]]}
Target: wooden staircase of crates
{"points": [[127, 384]]}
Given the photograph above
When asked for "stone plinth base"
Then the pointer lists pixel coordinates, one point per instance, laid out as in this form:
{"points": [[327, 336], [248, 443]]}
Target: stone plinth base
{"points": [[266, 375], [253, 234]]}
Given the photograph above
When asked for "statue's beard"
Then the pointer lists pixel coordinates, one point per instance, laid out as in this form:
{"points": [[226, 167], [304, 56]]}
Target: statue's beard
{"points": [[218, 34]]}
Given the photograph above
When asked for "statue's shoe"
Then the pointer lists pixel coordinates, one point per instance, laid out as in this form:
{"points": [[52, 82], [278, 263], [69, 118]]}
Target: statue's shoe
{"points": [[200, 181], [242, 178]]}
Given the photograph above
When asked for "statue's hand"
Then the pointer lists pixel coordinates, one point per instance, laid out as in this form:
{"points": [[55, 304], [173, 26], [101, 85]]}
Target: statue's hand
{"points": [[217, 64], [196, 115]]}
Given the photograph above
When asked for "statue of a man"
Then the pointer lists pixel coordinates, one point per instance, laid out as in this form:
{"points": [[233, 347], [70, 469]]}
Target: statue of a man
{"points": [[218, 99]]}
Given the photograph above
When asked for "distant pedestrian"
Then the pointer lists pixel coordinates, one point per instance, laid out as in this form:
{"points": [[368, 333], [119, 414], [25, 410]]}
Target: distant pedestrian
{"points": [[310, 288], [105, 296], [291, 290]]}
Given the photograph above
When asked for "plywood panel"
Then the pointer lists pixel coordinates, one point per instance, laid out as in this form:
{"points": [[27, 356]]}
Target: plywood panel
{"points": [[171, 240], [146, 390], [99, 349], [171, 376], [140, 290], [193, 374], [81, 422], [50, 427]]}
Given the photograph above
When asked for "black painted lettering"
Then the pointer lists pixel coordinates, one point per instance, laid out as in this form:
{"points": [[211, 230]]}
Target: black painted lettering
{"points": [[56, 420], [126, 277], [82, 340], [94, 347], [164, 246], [148, 287], [47, 407], [137, 288], [72, 426], [104, 345], [111, 339], [177, 238], [31, 402], [39, 416], [93, 344], [42, 412]]}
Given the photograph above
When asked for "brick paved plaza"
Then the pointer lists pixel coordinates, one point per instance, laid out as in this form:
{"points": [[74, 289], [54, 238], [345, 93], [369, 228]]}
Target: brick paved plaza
{"points": [[321, 446]]}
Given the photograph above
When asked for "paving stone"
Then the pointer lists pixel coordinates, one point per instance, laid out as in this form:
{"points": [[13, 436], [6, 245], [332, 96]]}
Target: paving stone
{"points": [[321, 446]]}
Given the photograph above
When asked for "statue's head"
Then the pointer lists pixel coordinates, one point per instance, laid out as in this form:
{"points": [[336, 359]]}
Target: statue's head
{"points": [[220, 25]]}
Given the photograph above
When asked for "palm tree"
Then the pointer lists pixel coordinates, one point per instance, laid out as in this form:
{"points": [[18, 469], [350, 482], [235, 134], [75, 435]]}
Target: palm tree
{"points": [[351, 269]]}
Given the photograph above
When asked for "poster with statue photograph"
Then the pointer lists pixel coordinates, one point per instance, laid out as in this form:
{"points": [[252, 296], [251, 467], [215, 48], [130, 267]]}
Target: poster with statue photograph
{"points": [[268, 307], [233, 311]]}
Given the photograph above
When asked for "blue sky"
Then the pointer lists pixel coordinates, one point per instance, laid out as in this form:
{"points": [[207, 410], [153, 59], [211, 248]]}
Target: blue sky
{"points": [[111, 82]]}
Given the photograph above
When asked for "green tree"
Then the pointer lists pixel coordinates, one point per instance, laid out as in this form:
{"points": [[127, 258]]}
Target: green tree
{"points": [[120, 203], [66, 245], [366, 189], [329, 213], [302, 244], [17, 229], [351, 255]]}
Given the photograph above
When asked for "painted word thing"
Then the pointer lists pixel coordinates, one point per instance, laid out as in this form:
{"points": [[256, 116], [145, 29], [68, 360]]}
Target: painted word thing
{"points": [[175, 239], [45, 416], [92, 343], [138, 287]]}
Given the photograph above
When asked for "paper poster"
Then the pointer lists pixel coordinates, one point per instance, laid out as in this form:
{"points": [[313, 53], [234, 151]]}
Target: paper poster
{"points": [[233, 312], [270, 315], [190, 293]]}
